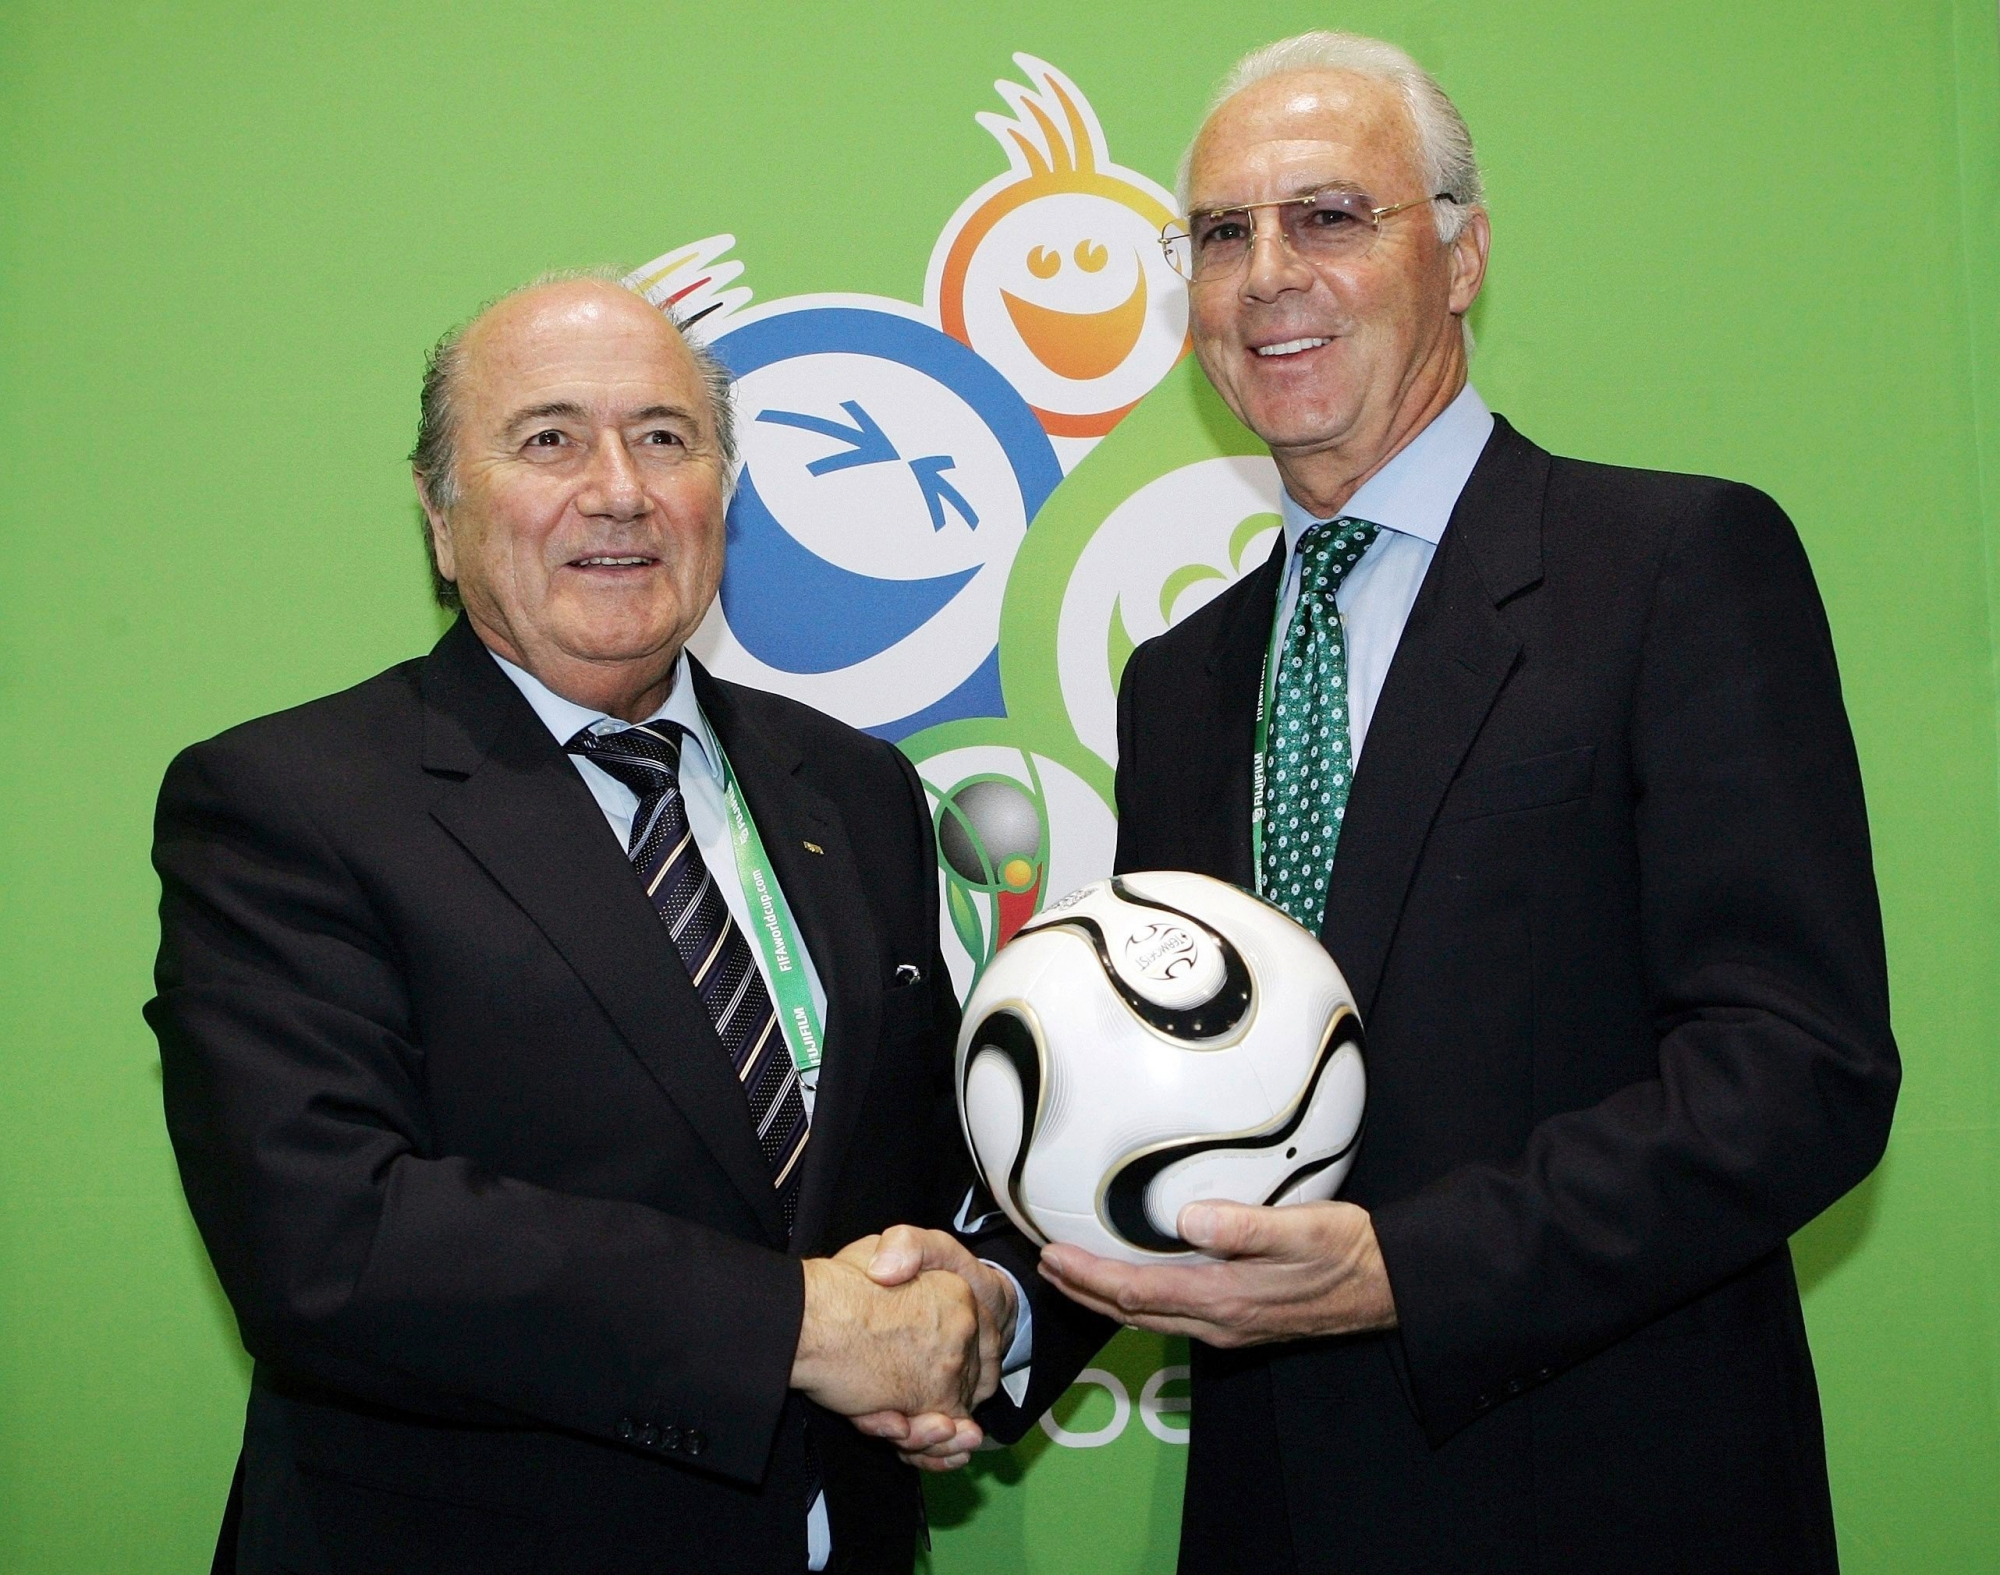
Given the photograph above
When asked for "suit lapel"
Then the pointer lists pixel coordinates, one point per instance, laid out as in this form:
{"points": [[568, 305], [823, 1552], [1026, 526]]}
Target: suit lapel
{"points": [[524, 814], [1223, 717], [823, 890], [1455, 655]]}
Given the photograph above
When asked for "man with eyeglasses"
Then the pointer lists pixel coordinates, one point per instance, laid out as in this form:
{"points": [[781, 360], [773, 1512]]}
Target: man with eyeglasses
{"points": [[1553, 758]]}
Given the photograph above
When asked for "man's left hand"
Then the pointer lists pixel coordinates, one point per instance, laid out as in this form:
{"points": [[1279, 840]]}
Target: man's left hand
{"points": [[1285, 1273]]}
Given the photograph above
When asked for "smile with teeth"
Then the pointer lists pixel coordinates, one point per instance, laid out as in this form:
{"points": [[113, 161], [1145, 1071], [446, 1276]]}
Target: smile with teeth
{"points": [[611, 563], [1292, 346]]}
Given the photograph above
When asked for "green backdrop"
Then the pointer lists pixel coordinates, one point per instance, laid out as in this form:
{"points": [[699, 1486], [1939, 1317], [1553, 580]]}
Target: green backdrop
{"points": [[1758, 240]]}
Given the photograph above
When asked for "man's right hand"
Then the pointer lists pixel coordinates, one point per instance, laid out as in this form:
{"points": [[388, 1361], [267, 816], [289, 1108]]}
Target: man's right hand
{"points": [[912, 1348], [933, 1441]]}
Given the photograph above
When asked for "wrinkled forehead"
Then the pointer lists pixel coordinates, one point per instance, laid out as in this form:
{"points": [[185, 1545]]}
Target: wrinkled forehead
{"points": [[1288, 134], [595, 346]]}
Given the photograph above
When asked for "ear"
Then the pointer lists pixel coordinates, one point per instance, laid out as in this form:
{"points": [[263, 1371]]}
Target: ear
{"points": [[1468, 261], [434, 521]]}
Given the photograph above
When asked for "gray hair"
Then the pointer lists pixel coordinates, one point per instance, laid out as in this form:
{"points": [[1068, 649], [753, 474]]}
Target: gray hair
{"points": [[1444, 144], [434, 456]]}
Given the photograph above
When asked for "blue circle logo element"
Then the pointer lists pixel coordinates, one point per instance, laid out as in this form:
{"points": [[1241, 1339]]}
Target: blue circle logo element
{"points": [[889, 475]]}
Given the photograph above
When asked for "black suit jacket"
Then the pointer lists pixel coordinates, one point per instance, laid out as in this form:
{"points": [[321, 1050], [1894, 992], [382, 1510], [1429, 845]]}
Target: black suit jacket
{"points": [[1604, 896], [472, 1165]]}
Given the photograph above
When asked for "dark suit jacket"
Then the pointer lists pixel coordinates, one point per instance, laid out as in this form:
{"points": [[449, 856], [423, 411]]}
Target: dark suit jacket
{"points": [[472, 1166], [1604, 897]]}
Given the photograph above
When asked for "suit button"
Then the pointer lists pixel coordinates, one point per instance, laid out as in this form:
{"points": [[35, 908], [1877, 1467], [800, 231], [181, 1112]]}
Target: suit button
{"points": [[1544, 1374], [649, 1435], [1513, 1386], [626, 1429], [670, 1436], [1483, 1403], [697, 1440]]}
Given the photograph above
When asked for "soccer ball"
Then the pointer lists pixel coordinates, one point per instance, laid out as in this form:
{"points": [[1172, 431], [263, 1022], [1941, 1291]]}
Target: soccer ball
{"points": [[1150, 1040]]}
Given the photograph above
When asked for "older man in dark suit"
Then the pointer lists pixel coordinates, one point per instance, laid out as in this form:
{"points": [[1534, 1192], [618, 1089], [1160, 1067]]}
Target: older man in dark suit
{"points": [[1553, 758], [539, 1016]]}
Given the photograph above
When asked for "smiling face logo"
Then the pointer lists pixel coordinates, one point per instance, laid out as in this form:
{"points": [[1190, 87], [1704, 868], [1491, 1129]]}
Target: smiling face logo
{"points": [[888, 478], [1053, 271]]}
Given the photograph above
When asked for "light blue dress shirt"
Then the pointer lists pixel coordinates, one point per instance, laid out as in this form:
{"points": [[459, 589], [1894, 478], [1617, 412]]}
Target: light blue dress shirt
{"points": [[1411, 498], [701, 790]]}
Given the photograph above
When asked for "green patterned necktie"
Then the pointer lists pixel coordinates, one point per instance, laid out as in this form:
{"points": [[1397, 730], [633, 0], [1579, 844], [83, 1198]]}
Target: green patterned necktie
{"points": [[1308, 761]]}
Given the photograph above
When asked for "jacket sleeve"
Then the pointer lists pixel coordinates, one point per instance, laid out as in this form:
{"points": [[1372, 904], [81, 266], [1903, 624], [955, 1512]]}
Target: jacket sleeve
{"points": [[354, 1254], [1763, 955], [1143, 835]]}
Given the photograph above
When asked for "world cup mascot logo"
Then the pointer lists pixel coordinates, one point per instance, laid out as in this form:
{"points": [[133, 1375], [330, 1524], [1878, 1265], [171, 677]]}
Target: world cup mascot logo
{"points": [[1053, 271], [889, 474], [913, 547]]}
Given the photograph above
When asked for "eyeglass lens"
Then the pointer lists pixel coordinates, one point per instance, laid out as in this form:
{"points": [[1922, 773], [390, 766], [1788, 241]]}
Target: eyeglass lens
{"points": [[1325, 225]]}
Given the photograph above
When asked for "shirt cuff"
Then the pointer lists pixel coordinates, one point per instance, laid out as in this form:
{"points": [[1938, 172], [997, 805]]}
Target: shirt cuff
{"points": [[1014, 1365], [819, 1534]]}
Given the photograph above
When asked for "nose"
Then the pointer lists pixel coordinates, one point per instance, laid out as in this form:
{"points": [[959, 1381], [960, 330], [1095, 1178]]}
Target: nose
{"points": [[1272, 267], [611, 485]]}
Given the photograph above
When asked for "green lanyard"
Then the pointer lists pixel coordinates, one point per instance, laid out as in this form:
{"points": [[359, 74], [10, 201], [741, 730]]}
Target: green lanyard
{"points": [[771, 924]]}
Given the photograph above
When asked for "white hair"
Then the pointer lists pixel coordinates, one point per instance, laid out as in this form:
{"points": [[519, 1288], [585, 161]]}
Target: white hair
{"points": [[1444, 144]]}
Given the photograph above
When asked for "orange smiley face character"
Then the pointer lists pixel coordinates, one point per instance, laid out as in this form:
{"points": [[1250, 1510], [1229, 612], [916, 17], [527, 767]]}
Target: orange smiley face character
{"points": [[1052, 271]]}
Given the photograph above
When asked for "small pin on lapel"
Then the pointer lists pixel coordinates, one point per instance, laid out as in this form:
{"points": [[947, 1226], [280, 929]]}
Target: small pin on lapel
{"points": [[814, 847]]}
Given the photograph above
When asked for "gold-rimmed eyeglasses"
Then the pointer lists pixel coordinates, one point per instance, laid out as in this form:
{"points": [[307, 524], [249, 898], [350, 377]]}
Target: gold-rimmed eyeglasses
{"points": [[1322, 226]]}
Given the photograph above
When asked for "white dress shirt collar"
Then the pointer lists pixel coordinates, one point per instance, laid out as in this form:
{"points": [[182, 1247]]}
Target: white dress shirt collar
{"points": [[1416, 491], [565, 718]]}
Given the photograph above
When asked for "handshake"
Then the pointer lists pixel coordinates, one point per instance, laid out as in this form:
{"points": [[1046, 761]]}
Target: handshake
{"points": [[904, 1334]]}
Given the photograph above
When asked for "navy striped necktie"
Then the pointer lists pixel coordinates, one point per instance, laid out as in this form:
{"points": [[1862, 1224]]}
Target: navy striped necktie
{"points": [[662, 848]]}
